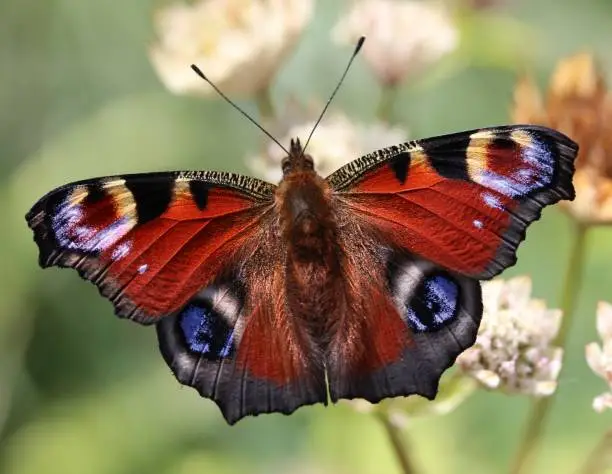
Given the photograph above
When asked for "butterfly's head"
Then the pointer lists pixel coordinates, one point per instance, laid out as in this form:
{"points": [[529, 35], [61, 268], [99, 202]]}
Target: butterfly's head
{"points": [[297, 160]]}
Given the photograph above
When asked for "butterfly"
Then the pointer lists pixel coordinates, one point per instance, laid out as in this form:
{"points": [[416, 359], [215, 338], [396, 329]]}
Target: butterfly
{"points": [[363, 284]]}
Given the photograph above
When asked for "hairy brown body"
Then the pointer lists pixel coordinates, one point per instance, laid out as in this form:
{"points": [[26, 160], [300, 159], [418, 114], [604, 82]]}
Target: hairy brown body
{"points": [[330, 280], [313, 263]]}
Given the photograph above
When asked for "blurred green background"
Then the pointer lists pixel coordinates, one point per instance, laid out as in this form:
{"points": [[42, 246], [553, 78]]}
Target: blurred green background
{"points": [[84, 392]]}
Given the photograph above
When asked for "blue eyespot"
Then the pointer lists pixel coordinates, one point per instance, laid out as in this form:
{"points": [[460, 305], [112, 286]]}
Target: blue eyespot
{"points": [[205, 332], [434, 303], [534, 170]]}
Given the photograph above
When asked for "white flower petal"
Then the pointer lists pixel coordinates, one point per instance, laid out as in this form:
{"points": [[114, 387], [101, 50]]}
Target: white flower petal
{"points": [[545, 389], [602, 402], [518, 292], [550, 321], [594, 357], [491, 295], [488, 378], [604, 320], [599, 357]]}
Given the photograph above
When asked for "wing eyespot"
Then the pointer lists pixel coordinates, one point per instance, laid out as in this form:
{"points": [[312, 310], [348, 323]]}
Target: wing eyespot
{"points": [[434, 303]]}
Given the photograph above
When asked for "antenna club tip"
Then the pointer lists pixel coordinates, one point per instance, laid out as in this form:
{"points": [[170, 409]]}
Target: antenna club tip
{"points": [[360, 42], [198, 71]]}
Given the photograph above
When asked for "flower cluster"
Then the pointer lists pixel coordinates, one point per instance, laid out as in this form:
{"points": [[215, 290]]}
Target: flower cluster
{"points": [[337, 141], [403, 37], [578, 104], [239, 44], [599, 357], [514, 351]]}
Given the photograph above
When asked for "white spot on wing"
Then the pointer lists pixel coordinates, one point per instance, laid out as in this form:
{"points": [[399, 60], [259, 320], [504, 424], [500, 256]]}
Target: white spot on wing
{"points": [[492, 201], [226, 304], [121, 251], [112, 182]]}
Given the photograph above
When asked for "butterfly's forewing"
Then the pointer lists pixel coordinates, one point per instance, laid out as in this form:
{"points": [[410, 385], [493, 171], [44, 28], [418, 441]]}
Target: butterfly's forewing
{"points": [[463, 200], [149, 241], [437, 214], [193, 252]]}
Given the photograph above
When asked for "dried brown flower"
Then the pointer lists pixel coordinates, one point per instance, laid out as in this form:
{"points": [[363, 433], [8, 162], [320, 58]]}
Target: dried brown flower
{"points": [[579, 104]]}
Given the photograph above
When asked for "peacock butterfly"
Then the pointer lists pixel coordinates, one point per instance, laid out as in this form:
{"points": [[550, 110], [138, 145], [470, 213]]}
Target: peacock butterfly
{"points": [[361, 284]]}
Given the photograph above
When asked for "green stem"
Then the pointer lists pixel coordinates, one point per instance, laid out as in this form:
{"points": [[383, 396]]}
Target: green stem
{"points": [[385, 106], [601, 457], [264, 105], [571, 286], [399, 444], [541, 406]]}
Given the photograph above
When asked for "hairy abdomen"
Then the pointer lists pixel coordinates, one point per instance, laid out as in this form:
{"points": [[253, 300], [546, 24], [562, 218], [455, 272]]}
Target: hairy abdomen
{"points": [[313, 277], [315, 295]]}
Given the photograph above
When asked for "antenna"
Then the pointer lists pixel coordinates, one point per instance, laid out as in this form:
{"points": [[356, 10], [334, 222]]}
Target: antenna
{"points": [[357, 48], [251, 119]]}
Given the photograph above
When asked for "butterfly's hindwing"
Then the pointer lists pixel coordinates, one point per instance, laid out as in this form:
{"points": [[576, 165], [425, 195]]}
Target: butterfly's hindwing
{"points": [[249, 361], [432, 316], [443, 311], [479, 188], [209, 325]]}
